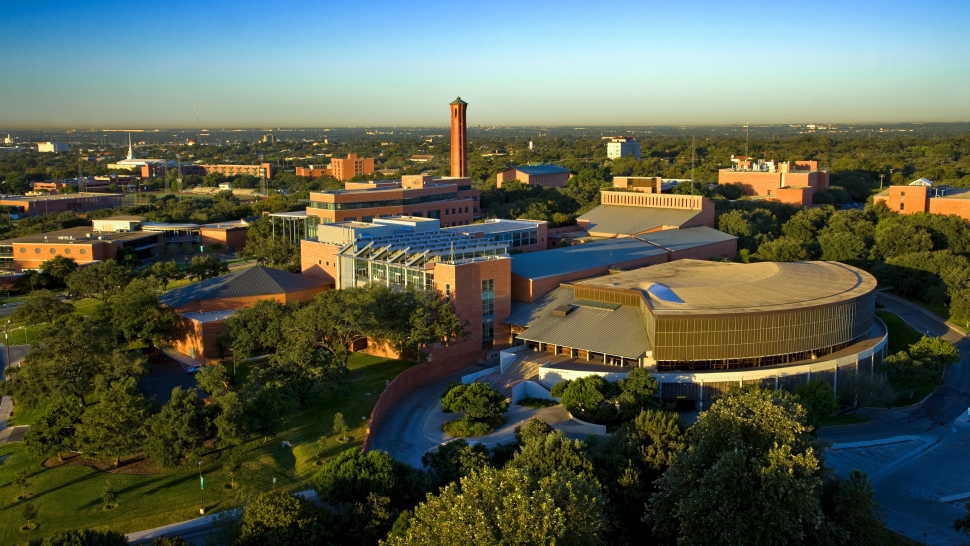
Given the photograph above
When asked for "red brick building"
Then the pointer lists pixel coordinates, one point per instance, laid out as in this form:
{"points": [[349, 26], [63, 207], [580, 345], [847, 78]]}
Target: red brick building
{"points": [[550, 176], [314, 171], [792, 183], [30, 205], [82, 244], [206, 305], [450, 200], [626, 213], [264, 170], [923, 196], [345, 169]]}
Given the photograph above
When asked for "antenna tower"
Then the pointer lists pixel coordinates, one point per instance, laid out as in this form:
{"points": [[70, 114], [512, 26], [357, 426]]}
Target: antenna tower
{"points": [[81, 186], [747, 132]]}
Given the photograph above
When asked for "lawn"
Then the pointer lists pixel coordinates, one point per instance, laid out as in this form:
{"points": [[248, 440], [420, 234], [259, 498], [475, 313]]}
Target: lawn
{"points": [[68, 497], [901, 336]]}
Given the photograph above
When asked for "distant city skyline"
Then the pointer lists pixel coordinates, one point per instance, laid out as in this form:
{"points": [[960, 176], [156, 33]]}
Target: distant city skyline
{"points": [[246, 64]]}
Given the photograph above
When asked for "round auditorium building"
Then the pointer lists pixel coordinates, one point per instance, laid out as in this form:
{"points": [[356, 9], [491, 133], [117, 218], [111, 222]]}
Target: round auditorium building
{"points": [[703, 326]]}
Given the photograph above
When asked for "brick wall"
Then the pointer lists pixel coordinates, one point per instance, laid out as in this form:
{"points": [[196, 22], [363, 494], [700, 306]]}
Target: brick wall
{"points": [[319, 260], [909, 199], [234, 237], [957, 207]]}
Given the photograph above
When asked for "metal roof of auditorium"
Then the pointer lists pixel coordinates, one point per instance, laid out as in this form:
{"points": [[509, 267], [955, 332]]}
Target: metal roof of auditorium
{"points": [[617, 332], [623, 220], [254, 281], [681, 239], [702, 287], [541, 169], [604, 253]]}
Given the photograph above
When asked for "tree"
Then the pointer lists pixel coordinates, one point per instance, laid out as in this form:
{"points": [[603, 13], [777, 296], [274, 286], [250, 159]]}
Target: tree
{"points": [[108, 493], [98, 280], [166, 271], [783, 249], [453, 461], [475, 400], [83, 537], [508, 506], [205, 267], [136, 313], [340, 427], [128, 257], [231, 424], [277, 519], [548, 452], [55, 432], [73, 359], [628, 462], [754, 448], [231, 469], [818, 398], [936, 349], [351, 476], [28, 512], [857, 511], [862, 390], [638, 392], [907, 375], [42, 306], [58, 269], [589, 399], [170, 541], [21, 481], [259, 328], [115, 427], [176, 433], [300, 369]]}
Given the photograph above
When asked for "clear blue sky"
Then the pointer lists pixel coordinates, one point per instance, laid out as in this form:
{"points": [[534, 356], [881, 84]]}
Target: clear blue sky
{"points": [[244, 63]]}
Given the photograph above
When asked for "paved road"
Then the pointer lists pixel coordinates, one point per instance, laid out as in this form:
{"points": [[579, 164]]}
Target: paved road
{"points": [[947, 403], [12, 434]]}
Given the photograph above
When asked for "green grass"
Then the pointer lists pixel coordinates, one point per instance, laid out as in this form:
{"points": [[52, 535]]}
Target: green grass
{"points": [[920, 394], [68, 497], [901, 336], [843, 419]]}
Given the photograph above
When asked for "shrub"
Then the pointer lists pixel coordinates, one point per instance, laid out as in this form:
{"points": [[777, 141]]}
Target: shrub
{"points": [[467, 427], [530, 402], [477, 401]]}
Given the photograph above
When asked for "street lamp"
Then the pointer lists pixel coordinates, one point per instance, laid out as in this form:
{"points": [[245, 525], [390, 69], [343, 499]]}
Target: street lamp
{"points": [[201, 490], [6, 342]]}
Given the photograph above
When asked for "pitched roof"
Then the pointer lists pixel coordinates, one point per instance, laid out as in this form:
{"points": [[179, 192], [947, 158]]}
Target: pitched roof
{"points": [[616, 331], [622, 220], [684, 238], [533, 170], [254, 281], [458, 102]]}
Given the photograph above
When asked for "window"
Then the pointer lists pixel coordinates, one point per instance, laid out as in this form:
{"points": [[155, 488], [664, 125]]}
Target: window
{"points": [[319, 262], [476, 210], [902, 206], [67, 251], [447, 291], [81, 251], [36, 251], [53, 251], [902, 195], [446, 212], [23, 250]]}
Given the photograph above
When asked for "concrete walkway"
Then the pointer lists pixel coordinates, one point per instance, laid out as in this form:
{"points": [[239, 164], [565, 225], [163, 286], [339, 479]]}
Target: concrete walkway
{"points": [[11, 434]]}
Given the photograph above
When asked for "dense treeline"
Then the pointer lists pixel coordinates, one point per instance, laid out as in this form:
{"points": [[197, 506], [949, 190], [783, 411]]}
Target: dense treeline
{"points": [[652, 480]]}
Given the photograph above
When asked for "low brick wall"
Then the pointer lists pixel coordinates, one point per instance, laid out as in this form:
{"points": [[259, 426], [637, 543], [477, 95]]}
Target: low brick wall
{"points": [[445, 361]]}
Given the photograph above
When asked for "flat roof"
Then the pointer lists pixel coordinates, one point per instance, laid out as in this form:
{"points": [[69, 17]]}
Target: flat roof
{"points": [[162, 226], [541, 169], [129, 218], [702, 287], [80, 235], [494, 226], [211, 316], [626, 220], [58, 197], [603, 253], [229, 224], [684, 238]]}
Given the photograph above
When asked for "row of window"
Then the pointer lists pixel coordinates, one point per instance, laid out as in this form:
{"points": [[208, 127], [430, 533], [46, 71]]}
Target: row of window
{"points": [[488, 309], [383, 202], [515, 239]]}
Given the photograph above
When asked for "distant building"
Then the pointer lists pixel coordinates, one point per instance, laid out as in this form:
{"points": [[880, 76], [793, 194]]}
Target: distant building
{"points": [[451, 200], [550, 176], [345, 169], [31, 205], [269, 138], [520, 235], [9, 140], [421, 158], [314, 171], [788, 182], [923, 196], [53, 147], [10, 149], [263, 170], [459, 138], [83, 244], [619, 147]]}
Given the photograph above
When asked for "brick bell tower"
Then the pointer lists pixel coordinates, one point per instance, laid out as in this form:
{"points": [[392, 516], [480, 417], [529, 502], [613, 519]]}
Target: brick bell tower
{"points": [[459, 138]]}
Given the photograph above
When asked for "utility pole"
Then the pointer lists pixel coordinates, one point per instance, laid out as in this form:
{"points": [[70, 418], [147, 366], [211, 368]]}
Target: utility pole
{"points": [[201, 490], [881, 176]]}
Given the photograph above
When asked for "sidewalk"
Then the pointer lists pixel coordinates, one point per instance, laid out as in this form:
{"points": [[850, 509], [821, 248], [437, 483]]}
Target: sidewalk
{"points": [[11, 434]]}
